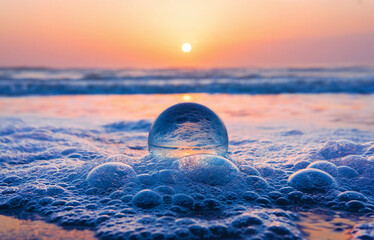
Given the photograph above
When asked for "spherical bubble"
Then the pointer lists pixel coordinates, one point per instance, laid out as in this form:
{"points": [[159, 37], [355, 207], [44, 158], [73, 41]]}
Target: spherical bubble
{"points": [[338, 149], [107, 175], [275, 195], [55, 190], [250, 195], [163, 189], [147, 199], [325, 166], [311, 180], [186, 129], [256, 182], [356, 162], [295, 196], [245, 220], [207, 168], [211, 204], [279, 230], [167, 176], [347, 172], [120, 158], [266, 171], [351, 195], [301, 165], [12, 180], [145, 179], [248, 170], [355, 205], [183, 200]]}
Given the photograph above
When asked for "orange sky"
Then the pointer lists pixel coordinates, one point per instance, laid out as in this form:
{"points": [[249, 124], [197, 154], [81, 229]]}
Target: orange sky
{"points": [[149, 33]]}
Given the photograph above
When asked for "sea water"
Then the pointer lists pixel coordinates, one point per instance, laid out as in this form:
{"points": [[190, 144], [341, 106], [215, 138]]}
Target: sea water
{"points": [[46, 81]]}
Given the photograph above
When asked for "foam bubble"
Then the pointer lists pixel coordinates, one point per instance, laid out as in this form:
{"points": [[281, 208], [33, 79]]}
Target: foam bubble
{"points": [[355, 205], [356, 162], [325, 166], [120, 158], [206, 168], [347, 172], [338, 149], [107, 175], [167, 176], [248, 170], [301, 165], [311, 180], [246, 220], [187, 129], [256, 182], [147, 199], [183, 200], [351, 195]]}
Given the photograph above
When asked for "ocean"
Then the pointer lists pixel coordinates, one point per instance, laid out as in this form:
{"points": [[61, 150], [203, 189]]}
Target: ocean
{"points": [[44, 81]]}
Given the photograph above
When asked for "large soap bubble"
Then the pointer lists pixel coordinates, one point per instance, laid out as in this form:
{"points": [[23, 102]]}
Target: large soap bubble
{"points": [[108, 175], [325, 166], [310, 179], [206, 168], [186, 129]]}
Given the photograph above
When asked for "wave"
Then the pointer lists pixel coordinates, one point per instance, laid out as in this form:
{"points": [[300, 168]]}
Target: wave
{"points": [[45, 81]]}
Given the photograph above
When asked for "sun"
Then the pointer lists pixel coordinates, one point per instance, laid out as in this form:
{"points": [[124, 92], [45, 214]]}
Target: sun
{"points": [[186, 97], [186, 47]]}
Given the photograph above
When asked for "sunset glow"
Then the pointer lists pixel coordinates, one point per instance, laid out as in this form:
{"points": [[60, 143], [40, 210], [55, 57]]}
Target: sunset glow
{"points": [[223, 33]]}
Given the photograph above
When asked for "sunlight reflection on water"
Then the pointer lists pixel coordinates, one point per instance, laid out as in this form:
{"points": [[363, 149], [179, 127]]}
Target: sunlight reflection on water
{"points": [[13, 229], [328, 225]]}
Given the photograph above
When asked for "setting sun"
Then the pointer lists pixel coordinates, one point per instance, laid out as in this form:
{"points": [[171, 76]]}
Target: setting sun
{"points": [[186, 47]]}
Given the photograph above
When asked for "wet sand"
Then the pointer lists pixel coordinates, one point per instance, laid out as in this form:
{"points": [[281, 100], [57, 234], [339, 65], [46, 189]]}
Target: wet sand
{"points": [[15, 229]]}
